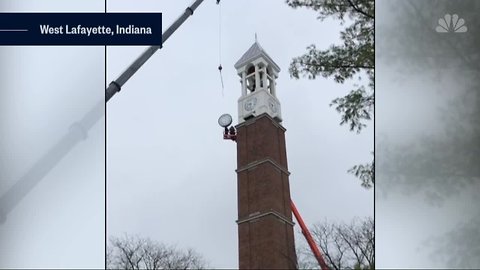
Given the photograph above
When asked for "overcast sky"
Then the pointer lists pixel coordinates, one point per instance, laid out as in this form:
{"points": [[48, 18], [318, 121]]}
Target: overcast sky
{"points": [[171, 176]]}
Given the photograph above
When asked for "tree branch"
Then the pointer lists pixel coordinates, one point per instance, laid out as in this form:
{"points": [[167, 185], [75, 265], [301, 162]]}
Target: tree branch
{"points": [[339, 66], [359, 10]]}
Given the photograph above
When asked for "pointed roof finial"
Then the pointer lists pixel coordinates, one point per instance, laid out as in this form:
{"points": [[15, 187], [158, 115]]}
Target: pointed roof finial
{"points": [[256, 40], [256, 51]]}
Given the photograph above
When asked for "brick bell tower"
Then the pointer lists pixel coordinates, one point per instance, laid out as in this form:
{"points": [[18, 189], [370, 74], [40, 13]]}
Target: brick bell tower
{"points": [[265, 227]]}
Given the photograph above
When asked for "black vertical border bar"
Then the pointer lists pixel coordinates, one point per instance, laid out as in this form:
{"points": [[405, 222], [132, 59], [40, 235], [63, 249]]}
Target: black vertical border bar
{"points": [[105, 119]]}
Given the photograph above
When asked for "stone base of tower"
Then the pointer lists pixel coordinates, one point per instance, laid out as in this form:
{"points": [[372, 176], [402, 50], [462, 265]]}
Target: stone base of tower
{"points": [[265, 227]]}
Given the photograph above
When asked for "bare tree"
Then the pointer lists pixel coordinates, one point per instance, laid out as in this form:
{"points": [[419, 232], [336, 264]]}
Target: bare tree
{"points": [[344, 246], [134, 252]]}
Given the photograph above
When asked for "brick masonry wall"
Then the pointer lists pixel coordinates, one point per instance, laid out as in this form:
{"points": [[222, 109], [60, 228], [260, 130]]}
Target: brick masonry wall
{"points": [[265, 227]]}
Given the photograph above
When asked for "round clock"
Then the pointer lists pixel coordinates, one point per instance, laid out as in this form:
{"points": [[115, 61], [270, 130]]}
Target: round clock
{"points": [[225, 120], [273, 105], [250, 104]]}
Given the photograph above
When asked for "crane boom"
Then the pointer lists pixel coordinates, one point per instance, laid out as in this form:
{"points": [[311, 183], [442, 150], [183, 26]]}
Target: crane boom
{"points": [[308, 237], [116, 85]]}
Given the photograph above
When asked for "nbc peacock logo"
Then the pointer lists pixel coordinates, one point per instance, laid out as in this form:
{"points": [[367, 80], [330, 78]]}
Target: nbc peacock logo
{"points": [[451, 23]]}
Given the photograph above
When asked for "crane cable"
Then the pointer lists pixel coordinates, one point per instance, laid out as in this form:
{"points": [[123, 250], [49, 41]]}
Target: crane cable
{"points": [[220, 43]]}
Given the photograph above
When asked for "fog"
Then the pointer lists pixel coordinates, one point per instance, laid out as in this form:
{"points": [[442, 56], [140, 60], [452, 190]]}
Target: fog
{"points": [[427, 136], [53, 217]]}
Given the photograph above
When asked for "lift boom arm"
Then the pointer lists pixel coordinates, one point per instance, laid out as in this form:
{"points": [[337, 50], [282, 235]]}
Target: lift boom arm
{"points": [[308, 237]]}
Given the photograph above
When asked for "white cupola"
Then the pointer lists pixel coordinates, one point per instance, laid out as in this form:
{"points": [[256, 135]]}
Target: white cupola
{"points": [[258, 73]]}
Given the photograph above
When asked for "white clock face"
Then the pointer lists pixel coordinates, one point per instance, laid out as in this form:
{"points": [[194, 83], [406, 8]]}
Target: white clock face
{"points": [[272, 105], [225, 120], [249, 104]]}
